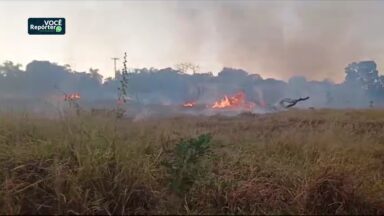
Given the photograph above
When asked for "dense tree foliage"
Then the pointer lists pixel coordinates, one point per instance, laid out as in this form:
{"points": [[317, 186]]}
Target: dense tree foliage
{"points": [[42, 79]]}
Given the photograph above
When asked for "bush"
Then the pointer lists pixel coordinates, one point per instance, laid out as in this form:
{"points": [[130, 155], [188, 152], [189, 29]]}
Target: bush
{"points": [[184, 165]]}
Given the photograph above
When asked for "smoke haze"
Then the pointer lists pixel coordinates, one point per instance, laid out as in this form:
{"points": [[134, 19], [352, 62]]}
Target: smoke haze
{"points": [[278, 39], [43, 86]]}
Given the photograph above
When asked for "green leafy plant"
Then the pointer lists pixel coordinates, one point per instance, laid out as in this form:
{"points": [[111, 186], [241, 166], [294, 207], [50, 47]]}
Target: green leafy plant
{"points": [[184, 166], [123, 93], [123, 89]]}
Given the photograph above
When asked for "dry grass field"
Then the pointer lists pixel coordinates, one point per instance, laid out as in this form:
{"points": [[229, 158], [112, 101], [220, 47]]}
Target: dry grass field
{"points": [[294, 162]]}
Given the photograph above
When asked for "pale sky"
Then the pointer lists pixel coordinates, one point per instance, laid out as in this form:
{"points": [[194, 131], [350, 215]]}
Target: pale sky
{"points": [[278, 39]]}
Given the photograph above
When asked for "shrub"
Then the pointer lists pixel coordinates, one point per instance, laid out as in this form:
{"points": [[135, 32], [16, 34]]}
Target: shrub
{"points": [[184, 165]]}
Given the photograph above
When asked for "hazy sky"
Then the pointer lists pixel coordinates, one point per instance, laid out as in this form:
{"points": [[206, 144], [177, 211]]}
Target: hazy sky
{"points": [[277, 39]]}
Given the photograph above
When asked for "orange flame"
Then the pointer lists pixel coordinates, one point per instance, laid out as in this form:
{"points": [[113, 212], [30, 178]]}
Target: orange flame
{"points": [[236, 101], [72, 97], [189, 104]]}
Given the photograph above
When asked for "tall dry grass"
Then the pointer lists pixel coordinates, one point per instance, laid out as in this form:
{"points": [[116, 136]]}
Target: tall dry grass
{"points": [[296, 162]]}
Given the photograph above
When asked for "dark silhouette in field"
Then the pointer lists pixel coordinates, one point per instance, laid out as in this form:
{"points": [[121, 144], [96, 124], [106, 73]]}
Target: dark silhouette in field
{"points": [[289, 102]]}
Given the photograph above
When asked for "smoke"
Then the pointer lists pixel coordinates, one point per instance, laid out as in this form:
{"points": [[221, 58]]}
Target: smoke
{"points": [[162, 92], [278, 39], [295, 42], [285, 38]]}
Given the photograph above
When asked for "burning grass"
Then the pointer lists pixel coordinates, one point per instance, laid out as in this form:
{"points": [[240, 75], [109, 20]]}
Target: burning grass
{"points": [[295, 162]]}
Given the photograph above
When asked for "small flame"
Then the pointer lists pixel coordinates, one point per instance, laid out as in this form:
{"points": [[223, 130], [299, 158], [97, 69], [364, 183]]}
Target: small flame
{"points": [[189, 104], [72, 97]]}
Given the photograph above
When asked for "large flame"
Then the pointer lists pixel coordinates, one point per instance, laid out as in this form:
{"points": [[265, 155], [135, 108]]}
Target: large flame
{"points": [[238, 100]]}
